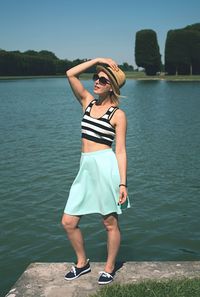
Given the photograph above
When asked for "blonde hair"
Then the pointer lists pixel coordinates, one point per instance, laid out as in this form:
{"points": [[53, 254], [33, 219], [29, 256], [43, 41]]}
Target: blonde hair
{"points": [[114, 98]]}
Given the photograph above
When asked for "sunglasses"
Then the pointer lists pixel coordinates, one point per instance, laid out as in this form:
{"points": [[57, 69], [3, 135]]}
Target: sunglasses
{"points": [[102, 80]]}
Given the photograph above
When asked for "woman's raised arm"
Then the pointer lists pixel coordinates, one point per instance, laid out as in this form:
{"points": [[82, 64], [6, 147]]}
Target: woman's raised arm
{"points": [[83, 96]]}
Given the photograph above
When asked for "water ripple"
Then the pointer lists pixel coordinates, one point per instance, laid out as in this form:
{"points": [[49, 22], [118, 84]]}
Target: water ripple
{"points": [[39, 158]]}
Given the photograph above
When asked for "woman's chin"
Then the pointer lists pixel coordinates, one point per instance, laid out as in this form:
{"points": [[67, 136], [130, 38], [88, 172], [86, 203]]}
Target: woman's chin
{"points": [[96, 92]]}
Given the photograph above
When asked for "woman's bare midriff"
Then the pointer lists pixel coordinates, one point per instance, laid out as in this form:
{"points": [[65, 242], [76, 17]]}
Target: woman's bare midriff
{"points": [[91, 146]]}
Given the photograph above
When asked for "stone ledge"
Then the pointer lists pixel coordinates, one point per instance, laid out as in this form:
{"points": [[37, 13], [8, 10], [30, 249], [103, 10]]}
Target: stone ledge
{"points": [[47, 279]]}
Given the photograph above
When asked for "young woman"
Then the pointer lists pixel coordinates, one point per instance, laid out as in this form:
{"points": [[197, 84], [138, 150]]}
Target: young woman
{"points": [[100, 185]]}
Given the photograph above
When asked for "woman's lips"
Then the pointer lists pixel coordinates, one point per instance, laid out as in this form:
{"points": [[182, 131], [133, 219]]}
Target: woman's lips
{"points": [[96, 87]]}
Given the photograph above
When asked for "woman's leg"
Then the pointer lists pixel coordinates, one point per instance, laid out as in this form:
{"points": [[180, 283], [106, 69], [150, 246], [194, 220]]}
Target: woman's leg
{"points": [[113, 240], [70, 224]]}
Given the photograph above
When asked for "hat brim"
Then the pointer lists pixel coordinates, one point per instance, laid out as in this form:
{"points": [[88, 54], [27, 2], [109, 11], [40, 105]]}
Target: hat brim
{"points": [[114, 84]]}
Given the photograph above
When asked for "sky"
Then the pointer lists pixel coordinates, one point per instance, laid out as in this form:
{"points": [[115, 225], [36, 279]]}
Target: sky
{"points": [[88, 29]]}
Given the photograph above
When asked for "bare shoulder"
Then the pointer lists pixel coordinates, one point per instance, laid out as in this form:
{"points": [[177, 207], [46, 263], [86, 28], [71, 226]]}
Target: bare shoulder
{"points": [[120, 114], [119, 117]]}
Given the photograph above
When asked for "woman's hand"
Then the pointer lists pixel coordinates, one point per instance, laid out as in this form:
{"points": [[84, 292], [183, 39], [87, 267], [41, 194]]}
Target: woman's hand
{"points": [[123, 193], [83, 96], [109, 62]]}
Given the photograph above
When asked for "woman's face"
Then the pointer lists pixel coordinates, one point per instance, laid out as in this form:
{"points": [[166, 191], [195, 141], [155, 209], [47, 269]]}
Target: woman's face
{"points": [[102, 86]]}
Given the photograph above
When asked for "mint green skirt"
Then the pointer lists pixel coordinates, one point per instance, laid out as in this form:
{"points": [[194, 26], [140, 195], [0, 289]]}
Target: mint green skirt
{"points": [[96, 186]]}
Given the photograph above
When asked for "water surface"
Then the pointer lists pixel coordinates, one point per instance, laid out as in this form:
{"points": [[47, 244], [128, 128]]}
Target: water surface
{"points": [[39, 158]]}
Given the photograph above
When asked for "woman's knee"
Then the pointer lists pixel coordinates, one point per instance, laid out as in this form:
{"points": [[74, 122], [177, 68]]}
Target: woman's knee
{"points": [[69, 222], [111, 222]]}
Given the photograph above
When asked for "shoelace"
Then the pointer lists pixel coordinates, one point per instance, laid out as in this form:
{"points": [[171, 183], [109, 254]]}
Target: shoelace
{"points": [[73, 269], [106, 274]]}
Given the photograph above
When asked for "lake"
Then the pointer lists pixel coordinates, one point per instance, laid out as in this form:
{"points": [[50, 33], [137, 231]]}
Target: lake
{"points": [[39, 158]]}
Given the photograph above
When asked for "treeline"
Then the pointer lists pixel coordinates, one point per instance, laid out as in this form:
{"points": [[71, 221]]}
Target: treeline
{"points": [[182, 51], [182, 56], [16, 63]]}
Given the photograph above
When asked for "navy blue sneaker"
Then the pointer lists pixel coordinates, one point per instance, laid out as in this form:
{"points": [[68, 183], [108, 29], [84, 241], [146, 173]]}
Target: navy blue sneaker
{"points": [[75, 272], [105, 277]]}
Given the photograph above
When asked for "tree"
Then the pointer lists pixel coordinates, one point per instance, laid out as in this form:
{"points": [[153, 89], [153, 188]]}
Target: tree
{"points": [[126, 67], [193, 27], [37, 63], [147, 53], [177, 58], [182, 50], [28, 63], [47, 55], [195, 51]]}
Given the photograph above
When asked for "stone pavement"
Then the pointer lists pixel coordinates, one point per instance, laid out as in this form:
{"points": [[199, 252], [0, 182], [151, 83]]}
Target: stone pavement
{"points": [[47, 279]]}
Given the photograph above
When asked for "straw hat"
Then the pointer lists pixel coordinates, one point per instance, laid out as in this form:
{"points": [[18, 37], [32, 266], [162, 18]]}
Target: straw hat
{"points": [[117, 78]]}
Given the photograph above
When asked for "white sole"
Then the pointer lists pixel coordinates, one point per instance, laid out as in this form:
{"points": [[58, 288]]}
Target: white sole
{"points": [[105, 283], [83, 272]]}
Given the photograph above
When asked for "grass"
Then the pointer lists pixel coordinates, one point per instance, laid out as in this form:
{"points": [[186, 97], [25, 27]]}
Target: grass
{"points": [[29, 77], [170, 288], [129, 75], [142, 76]]}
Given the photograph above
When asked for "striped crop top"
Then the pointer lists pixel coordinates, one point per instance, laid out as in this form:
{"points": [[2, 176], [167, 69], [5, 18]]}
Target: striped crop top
{"points": [[98, 130]]}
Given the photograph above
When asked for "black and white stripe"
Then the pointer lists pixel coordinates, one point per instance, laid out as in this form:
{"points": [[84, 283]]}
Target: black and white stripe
{"points": [[98, 130]]}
